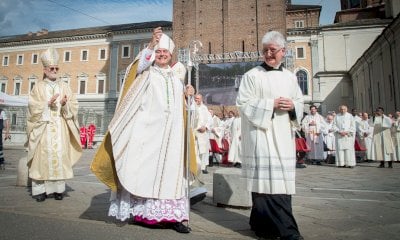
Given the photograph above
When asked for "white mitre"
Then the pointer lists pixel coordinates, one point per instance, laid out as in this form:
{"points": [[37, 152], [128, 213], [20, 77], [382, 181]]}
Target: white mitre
{"points": [[49, 57], [179, 71], [166, 43]]}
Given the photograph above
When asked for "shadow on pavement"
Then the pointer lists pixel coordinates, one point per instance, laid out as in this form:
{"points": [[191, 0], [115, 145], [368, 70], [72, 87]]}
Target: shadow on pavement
{"points": [[221, 219], [98, 209]]}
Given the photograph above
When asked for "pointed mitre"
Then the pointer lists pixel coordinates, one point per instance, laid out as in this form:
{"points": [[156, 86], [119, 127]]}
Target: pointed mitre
{"points": [[166, 43], [49, 57]]}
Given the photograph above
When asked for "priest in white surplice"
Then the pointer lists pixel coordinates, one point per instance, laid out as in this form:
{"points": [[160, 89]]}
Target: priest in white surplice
{"points": [[217, 129], [236, 145], [227, 124], [216, 133], [201, 129], [382, 142], [271, 106], [364, 134], [147, 135], [345, 130], [329, 138], [312, 125]]}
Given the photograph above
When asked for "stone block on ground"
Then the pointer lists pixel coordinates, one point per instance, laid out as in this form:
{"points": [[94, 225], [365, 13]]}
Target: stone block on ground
{"points": [[23, 179], [230, 188]]}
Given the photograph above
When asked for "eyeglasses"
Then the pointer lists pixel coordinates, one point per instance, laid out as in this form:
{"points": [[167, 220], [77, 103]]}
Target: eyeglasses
{"points": [[53, 68], [271, 50]]}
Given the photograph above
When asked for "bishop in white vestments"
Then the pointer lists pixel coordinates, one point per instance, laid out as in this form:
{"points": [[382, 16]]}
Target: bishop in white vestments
{"points": [[271, 106], [147, 135], [53, 132]]}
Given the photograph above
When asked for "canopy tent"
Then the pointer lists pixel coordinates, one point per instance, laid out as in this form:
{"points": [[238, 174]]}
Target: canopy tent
{"points": [[7, 100]]}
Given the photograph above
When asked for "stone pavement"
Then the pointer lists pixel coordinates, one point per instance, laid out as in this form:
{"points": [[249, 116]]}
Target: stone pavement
{"points": [[331, 203]]}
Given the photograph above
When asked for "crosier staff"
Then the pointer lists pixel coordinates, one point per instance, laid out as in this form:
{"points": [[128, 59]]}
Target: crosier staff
{"points": [[194, 48]]}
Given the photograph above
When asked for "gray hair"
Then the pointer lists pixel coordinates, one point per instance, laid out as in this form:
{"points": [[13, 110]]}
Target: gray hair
{"points": [[274, 37]]}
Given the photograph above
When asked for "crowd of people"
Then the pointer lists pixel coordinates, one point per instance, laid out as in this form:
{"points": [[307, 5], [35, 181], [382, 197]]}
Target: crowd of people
{"points": [[345, 139], [221, 137]]}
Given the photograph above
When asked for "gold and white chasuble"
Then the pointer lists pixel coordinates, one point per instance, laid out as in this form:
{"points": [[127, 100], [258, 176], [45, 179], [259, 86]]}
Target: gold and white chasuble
{"points": [[53, 132], [268, 146], [103, 164], [147, 136]]}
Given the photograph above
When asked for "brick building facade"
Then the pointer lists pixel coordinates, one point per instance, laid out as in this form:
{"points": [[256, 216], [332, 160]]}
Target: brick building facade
{"points": [[226, 25]]}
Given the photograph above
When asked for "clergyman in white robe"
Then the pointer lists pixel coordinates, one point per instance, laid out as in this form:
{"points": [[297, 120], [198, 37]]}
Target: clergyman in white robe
{"points": [[217, 129], [313, 124], [270, 102], [235, 147], [329, 138], [147, 134], [382, 142], [345, 129], [53, 132], [397, 135], [364, 134], [201, 129], [217, 133]]}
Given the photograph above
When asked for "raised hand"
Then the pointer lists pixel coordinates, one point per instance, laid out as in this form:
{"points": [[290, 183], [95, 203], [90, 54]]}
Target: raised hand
{"points": [[157, 32]]}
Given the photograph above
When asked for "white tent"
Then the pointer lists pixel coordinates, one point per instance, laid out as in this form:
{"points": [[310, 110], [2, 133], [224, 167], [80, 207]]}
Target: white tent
{"points": [[8, 100]]}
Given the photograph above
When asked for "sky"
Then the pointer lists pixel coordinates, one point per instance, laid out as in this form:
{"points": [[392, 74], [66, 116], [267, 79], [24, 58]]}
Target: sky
{"points": [[23, 16]]}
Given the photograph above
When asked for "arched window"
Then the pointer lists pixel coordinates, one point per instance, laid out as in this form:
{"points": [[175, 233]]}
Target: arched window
{"points": [[302, 79]]}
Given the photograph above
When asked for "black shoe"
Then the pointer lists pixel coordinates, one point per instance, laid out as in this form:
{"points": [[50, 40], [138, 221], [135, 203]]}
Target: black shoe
{"points": [[299, 165], [180, 228], [293, 237], [263, 235], [40, 198], [204, 171], [237, 165], [58, 196]]}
